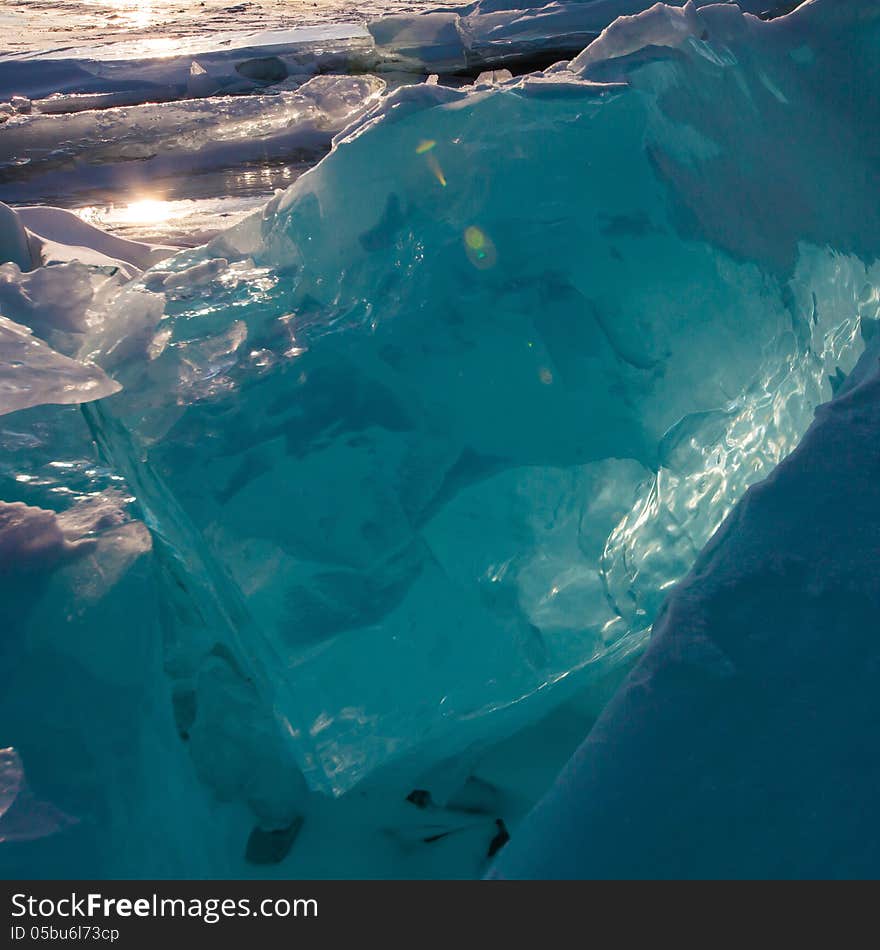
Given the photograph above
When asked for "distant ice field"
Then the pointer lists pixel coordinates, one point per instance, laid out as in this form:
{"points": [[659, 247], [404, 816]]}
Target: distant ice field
{"points": [[32, 25]]}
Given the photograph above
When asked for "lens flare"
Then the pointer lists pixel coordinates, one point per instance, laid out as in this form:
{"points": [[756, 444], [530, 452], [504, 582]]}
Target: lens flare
{"points": [[480, 248], [423, 148], [474, 238], [434, 165]]}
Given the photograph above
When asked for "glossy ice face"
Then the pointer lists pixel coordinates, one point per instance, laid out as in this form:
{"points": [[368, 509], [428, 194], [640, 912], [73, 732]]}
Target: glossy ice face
{"points": [[452, 415], [422, 445], [161, 27]]}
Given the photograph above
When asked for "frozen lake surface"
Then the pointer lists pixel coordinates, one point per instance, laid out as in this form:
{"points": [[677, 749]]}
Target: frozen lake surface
{"points": [[32, 25], [172, 209]]}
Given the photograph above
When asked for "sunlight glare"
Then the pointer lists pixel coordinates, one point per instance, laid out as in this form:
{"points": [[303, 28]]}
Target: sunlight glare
{"points": [[146, 211]]}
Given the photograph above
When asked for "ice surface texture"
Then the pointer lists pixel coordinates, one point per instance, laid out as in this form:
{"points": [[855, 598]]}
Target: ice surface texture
{"points": [[505, 31], [100, 75], [441, 426], [742, 744], [422, 446], [134, 145]]}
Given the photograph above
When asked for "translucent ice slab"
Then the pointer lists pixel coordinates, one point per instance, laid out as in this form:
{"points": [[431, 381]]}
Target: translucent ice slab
{"points": [[441, 425]]}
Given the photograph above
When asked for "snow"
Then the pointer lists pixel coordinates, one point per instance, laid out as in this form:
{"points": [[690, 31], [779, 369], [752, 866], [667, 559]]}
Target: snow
{"points": [[55, 232], [144, 70], [13, 239], [142, 64], [505, 31], [21, 817], [31, 536]]}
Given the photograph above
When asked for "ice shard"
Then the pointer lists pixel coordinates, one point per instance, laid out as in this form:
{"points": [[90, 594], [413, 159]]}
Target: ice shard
{"points": [[454, 412], [31, 373]]}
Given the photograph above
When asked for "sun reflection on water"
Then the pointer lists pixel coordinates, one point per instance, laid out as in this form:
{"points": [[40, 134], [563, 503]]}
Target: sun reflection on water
{"points": [[145, 211], [134, 14]]}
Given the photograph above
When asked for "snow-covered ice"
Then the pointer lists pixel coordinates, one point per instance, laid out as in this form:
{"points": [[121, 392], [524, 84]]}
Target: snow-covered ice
{"points": [[409, 460]]}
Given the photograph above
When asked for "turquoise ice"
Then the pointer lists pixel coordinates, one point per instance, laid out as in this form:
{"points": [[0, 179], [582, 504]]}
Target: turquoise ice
{"points": [[422, 446], [451, 415]]}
